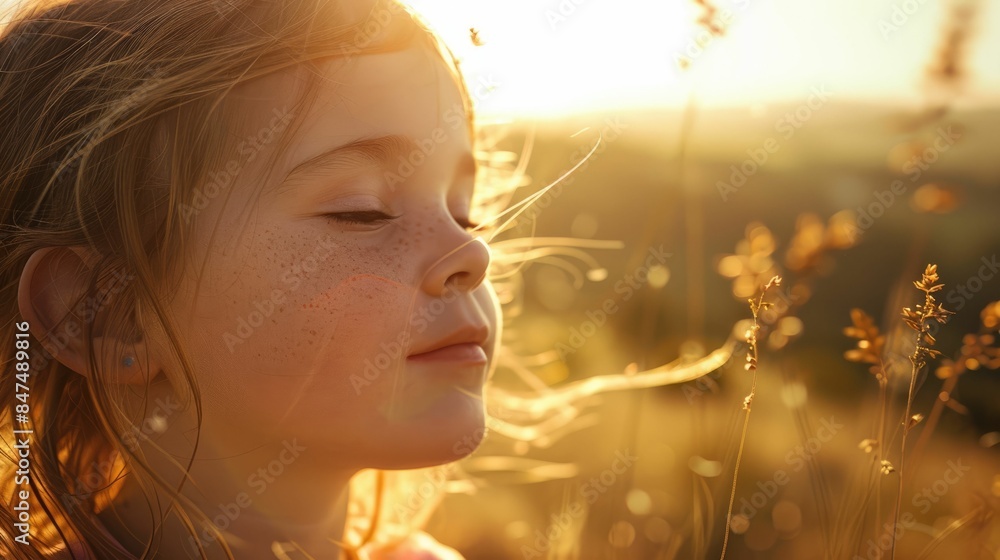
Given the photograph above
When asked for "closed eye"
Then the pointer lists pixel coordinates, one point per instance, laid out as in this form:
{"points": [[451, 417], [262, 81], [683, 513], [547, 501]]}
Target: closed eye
{"points": [[368, 217], [374, 217]]}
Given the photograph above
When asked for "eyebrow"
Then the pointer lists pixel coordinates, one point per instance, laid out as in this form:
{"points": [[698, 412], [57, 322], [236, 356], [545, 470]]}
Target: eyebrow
{"points": [[382, 151]]}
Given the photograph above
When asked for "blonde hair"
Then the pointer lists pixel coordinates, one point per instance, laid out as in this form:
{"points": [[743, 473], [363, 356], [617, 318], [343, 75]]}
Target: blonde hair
{"points": [[97, 97], [113, 113]]}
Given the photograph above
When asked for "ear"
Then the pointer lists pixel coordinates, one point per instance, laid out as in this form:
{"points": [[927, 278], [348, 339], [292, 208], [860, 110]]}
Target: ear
{"points": [[51, 284]]}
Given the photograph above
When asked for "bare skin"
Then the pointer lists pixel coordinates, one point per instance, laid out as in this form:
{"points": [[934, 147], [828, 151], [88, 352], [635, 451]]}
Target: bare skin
{"points": [[295, 328]]}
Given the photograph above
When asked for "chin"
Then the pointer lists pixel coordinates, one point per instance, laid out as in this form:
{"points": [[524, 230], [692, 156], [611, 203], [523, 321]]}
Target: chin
{"points": [[449, 430]]}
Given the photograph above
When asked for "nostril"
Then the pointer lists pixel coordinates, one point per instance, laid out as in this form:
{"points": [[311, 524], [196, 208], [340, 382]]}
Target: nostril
{"points": [[466, 281]]}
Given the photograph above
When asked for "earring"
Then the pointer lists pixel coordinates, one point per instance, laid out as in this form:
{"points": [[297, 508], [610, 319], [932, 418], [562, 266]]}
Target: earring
{"points": [[128, 361]]}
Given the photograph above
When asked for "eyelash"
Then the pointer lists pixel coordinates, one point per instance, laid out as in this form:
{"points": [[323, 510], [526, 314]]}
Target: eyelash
{"points": [[370, 217], [364, 217]]}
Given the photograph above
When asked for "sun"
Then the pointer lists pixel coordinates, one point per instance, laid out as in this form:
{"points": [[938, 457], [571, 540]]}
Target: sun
{"points": [[558, 57]]}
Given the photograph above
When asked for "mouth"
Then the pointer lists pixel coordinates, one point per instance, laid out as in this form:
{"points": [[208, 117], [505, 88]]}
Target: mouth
{"points": [[466, 345], [462, 353]]}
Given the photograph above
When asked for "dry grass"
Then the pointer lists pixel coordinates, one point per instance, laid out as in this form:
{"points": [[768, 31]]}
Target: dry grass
{"points": [[751, 337]]}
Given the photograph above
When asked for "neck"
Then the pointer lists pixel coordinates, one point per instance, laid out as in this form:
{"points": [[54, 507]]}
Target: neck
{"points": [[274, 496]]}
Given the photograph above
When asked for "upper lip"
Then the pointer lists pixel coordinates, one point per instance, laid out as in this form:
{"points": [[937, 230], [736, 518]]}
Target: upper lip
{"points": [[466, 334]]}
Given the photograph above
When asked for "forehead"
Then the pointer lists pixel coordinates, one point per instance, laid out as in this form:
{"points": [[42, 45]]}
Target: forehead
{"points": [[409, 93]]}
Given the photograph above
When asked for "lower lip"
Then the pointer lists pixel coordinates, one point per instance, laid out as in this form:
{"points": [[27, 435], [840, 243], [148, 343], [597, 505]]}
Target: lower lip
{"points": [[467, 353]]}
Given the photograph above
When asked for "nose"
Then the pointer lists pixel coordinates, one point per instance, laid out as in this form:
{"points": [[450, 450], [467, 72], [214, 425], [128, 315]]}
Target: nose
{"points": [[462, 267]]}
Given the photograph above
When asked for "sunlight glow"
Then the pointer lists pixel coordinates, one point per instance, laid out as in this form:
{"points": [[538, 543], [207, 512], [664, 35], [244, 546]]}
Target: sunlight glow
{"points": [[555, 57]]}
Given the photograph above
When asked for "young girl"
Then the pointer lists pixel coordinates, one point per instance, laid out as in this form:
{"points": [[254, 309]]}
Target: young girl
{"points": [[243, 231], [247, 289]]}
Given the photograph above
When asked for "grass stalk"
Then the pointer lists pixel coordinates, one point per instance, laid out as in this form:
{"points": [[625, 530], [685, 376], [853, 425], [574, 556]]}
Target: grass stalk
{"points": [[751, 366]]}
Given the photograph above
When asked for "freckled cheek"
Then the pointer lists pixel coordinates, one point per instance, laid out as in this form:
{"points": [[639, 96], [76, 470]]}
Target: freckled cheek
{"points": [[300, 313], [340, 357], [339, 345], [366, 314]]}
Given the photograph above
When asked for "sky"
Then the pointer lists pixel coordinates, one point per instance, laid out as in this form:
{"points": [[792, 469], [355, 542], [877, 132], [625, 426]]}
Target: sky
{"points": [[554, 57], [562, 56]]}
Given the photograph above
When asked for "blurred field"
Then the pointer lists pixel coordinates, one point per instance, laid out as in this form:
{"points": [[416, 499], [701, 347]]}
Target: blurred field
{"points": [[671, 502]]}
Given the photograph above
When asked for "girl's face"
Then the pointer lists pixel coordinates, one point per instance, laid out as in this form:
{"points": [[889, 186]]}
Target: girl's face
{"points": [[323, 290]]}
